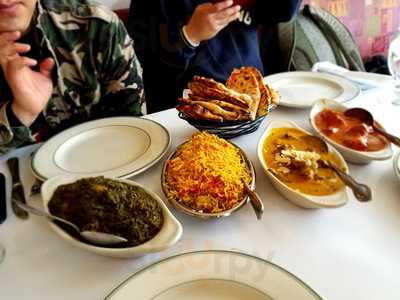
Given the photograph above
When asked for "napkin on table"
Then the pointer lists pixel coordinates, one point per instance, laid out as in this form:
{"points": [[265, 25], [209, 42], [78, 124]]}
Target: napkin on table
{"points": [[365, 80]]}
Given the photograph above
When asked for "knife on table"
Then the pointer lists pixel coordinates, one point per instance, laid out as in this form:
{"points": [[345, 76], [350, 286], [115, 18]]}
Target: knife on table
{"points": [[17, 190]]}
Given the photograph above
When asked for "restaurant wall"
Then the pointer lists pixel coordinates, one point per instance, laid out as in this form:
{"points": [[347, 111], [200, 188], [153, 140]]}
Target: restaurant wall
{"points": [[372, 22]]}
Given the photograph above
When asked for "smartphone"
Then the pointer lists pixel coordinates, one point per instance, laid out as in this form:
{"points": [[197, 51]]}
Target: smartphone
{"points": [[3, 206]]}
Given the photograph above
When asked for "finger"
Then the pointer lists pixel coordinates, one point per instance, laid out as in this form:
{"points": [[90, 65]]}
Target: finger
{"points": [[222, 5], [10, 36], [46, 66], [4, 59], [15, 63], [12, 49], [22, 48], [28, 62], [229, 19], [227, 13]]}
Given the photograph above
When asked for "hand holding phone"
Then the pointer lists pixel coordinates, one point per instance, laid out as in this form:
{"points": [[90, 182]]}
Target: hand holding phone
{"points": [[210, 18]]}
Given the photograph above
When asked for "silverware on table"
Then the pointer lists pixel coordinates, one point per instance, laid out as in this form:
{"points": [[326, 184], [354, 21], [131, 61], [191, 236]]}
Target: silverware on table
{"points": [[98, 238], [255, 201], [366, 117], [37, 185], [17, 190], [362, 192]]}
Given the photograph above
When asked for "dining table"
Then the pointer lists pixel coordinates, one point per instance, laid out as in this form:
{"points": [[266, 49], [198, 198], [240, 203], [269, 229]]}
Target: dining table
{"points": [[351, 252]]}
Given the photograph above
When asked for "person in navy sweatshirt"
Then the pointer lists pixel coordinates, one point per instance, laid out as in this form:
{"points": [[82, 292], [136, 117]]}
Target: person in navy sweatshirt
{"points": [[197, 37]]}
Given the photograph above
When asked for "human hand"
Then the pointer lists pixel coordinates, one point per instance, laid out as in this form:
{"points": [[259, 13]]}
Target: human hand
{"points": [[31, 89], [208, 19]]}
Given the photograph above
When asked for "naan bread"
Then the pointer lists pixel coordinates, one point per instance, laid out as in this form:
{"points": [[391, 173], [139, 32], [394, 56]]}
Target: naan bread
{"points": [[265, 97], [230, 107], [212, 84], [212, 107], [209, 82], [273, 95], [198, 112], [201, 90], [243, 81]]}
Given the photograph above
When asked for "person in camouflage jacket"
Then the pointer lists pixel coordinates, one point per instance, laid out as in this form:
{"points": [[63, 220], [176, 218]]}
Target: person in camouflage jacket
{"points": [[62, 62]]}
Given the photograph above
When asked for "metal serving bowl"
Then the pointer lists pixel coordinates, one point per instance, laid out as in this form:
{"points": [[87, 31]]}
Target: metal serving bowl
{"points": [[190, 211]]}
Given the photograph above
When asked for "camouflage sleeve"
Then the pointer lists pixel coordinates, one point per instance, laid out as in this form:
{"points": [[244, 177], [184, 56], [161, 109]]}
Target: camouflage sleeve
{"points": [[121, 74], [11, 137]]}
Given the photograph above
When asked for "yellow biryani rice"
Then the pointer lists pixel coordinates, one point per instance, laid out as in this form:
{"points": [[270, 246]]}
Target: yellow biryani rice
{"points": [[207, 174]]}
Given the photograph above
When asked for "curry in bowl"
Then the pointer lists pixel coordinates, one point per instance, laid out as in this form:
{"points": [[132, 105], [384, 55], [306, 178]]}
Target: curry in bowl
{"points": [[295, 161], [349, 131]]}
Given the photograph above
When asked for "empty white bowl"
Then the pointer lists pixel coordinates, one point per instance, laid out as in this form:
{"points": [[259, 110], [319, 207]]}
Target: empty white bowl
{"points": [[351, 155], [303, 200], [168, 235]]}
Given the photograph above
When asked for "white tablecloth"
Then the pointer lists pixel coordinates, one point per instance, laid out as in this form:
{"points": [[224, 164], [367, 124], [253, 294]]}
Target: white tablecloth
{"points": [[351, 252]]}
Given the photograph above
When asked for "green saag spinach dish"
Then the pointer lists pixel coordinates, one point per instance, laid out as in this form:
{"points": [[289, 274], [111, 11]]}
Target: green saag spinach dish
{"points": [[109, 206]]}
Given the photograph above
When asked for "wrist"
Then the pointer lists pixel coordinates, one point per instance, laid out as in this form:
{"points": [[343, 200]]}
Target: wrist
{"points": [[190, 36], [24, 116]]}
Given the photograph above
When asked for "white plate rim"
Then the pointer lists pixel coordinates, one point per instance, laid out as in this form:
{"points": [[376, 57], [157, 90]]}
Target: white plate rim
{"points": [[96, 124], [343, 82], [115, 289]]}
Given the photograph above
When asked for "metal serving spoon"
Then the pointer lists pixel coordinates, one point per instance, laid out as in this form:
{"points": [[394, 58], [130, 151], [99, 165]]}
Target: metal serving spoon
{"points": [[98, 238], [365, 116], [255, 201], [361, 191]]}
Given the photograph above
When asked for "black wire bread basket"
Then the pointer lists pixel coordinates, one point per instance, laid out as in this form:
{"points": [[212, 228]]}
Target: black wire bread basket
{"points": [[227, 129]]}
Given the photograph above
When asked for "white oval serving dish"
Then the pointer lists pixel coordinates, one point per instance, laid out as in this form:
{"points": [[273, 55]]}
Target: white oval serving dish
{"points": [[351, 155], [303, 200], [168, 235]]}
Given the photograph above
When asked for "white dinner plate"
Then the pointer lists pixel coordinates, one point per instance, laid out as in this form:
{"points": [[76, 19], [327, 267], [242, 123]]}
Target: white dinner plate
{"points": [[114, 147], [302, 89], [213, 275]]}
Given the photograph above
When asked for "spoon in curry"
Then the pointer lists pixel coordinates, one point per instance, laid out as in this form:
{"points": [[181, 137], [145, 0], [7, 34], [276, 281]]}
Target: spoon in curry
{"points": [[255, 201], [361, 191], [365, 116], [98, 238]]}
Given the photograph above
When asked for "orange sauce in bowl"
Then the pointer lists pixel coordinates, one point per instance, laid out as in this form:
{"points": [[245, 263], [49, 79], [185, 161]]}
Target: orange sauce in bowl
{"points": [[348, 131]]}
